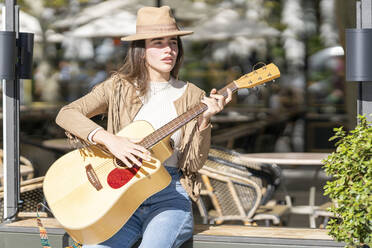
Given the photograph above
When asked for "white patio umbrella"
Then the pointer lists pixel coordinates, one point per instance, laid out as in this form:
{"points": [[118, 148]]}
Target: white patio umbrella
{"points": [[183, 10], [92, 12], [54, 37], [227, 24], [191, 10], [323, 57], [78, 48], [27, 23], [239, 46], [30, 24], [115, 25]]}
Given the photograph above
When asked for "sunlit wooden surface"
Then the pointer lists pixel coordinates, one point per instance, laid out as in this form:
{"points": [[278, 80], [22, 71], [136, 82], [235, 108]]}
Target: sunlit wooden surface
{"points": [[268, 232], [288, 158], [222, 230]]}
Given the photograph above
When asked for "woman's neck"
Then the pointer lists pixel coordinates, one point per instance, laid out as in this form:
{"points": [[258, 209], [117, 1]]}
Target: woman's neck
{"points": [[156, 76]]}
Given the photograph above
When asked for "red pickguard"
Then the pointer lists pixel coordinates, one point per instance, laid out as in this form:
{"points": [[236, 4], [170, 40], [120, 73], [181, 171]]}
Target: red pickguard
{"points": [[119, 177]]}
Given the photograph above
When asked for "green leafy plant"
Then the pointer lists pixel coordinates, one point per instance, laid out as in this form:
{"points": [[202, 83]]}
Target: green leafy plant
{"points": [[351, 187]]}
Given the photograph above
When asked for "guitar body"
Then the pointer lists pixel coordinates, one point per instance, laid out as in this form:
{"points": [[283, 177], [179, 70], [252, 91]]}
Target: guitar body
{"points": [[92, 198]]}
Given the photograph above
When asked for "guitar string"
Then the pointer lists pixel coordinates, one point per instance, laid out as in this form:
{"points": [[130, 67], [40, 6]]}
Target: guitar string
{"points": [[102, 165], [98, 169]]}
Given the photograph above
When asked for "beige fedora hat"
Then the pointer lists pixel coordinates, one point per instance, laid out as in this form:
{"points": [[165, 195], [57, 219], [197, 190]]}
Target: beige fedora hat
{"points": [[155, 22]]}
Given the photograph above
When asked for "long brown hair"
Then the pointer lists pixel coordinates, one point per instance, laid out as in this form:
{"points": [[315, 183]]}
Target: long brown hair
{"points": [[134, 68]]}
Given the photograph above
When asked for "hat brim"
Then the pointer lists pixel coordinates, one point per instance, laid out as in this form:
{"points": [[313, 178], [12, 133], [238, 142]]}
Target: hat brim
{"points": [[152, 35]]}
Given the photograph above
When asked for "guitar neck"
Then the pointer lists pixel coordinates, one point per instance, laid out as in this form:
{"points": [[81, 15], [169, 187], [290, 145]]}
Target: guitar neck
{"points": [[181, 120], [264, 74]]}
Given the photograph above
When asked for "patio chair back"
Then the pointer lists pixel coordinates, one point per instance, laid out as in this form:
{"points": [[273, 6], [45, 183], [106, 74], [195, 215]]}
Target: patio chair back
{"points": [[233, 197], [26, 168], [31, 193], [267, 176]]}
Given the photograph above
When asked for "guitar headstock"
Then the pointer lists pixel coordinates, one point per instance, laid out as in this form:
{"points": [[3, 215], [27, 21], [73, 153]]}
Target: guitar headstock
{"points": [[257, 77]]}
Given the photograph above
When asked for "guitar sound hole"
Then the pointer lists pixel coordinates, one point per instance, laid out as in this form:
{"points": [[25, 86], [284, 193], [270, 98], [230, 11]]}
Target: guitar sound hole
{"points": [[121, 164]]}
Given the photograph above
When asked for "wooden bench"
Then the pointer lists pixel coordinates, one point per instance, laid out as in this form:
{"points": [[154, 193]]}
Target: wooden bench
{"points": [[26, 234]]}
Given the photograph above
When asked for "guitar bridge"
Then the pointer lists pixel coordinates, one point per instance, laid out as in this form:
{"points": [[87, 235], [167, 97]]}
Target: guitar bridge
{"points": [[92, 177]]}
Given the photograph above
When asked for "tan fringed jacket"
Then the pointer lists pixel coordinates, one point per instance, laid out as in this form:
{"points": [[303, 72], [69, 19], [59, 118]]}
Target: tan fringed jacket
{"points": [[116, 99]]}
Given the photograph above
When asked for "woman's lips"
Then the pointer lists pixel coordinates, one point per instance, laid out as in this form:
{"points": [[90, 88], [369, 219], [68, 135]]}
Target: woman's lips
{"points": [[167, 60]]}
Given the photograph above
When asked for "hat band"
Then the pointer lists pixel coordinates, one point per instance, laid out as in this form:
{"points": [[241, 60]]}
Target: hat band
{"points": [[157, 28]]}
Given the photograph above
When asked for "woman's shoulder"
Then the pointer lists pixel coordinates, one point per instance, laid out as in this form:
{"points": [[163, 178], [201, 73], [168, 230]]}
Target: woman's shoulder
{"points": [[104, 85], [114, 82], [194, 89], [192, 94]]}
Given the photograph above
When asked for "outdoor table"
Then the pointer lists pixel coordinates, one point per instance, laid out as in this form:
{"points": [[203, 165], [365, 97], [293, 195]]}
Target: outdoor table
{"points": [[232, 118], [287, 158], [61, 145], [293, 159]]}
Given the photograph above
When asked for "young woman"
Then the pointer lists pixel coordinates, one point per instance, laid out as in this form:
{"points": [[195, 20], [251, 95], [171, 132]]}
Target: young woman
{"points": [[147, 88]]}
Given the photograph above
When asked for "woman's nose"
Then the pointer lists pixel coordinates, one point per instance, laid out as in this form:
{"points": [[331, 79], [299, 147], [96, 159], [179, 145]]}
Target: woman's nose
{"points": [[168, 48]]}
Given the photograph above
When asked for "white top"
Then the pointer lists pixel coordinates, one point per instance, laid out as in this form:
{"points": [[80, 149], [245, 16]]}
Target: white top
{"points": [[158, 109]]}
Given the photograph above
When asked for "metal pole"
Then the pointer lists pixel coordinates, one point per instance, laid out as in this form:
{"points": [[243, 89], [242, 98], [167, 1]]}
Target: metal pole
{"points": [[364, 20], [10, 125], [158, 3]]}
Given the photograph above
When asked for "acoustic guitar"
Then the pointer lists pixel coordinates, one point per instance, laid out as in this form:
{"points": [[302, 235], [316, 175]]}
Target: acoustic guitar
{"points": [[92, 194]]}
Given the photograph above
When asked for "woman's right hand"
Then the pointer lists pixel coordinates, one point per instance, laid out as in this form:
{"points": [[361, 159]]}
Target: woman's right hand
{"points": [[122, 148]]}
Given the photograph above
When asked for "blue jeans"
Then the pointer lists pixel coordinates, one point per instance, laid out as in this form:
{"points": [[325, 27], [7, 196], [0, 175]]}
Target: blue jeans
{"points": [[163, 220]]}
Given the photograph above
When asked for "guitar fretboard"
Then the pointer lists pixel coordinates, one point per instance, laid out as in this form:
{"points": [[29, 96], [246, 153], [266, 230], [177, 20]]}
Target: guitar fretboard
{"points": [[172, 126]]}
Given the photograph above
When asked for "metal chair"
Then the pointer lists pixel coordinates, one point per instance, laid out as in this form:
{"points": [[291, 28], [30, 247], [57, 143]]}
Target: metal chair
{"points": [[233, 197], [239, 190], [267, 176], [31, 193], [26, 168], [323, 212]]}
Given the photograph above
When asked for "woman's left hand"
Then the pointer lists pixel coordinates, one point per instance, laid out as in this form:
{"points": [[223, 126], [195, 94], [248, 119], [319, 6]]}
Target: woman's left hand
{"points": [[215, 103]]}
